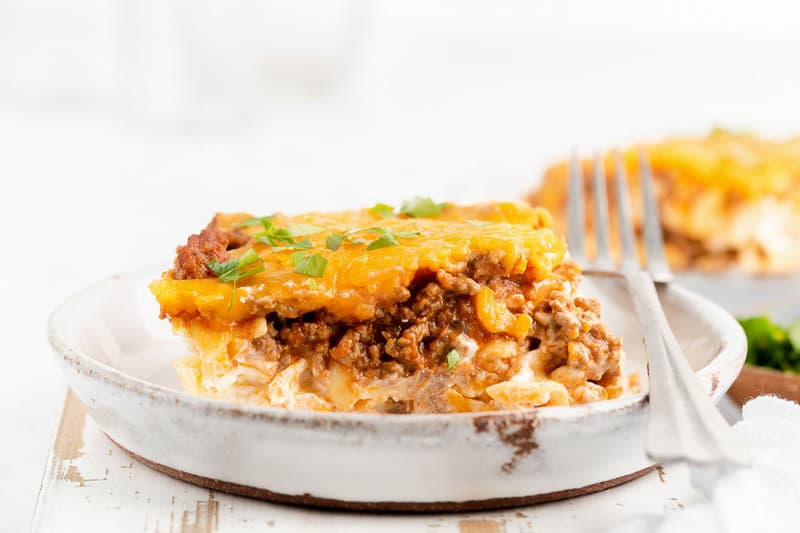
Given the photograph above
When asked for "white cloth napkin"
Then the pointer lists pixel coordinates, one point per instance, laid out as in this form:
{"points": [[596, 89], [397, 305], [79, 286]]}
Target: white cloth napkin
{"points": [[763, 498]]}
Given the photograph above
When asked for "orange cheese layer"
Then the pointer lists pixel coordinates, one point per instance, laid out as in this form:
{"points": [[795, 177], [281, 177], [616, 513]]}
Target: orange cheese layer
{"points": [[357, 281]]}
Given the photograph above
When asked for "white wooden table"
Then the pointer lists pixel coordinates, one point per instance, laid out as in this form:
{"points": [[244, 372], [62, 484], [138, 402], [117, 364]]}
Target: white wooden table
{"points": [[90, 484]]}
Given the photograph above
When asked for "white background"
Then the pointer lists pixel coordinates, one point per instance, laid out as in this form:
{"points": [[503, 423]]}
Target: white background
{"points": [[125, 126]]}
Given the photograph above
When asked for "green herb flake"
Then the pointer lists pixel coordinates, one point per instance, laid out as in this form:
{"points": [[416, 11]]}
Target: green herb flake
{"points": [[480, 223], [453, 358], [388, 237], [305, 244], [309, 264], [255, 221], [334, 241], [301, 230], [383, 211], [420, 207], [235, 269], [273, 235], [312, 284], [405, 234]]}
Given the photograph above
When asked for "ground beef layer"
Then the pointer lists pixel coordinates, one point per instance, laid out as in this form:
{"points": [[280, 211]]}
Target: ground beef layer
{"points": [[398, 361]]}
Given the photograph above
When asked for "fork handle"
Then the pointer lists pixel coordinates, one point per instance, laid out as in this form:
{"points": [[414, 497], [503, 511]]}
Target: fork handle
{"points": [[683, 423]]}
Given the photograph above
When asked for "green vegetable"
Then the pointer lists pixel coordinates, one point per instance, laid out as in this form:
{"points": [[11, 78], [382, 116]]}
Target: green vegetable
{"points": [[301, 230], [305, 244], [383, 211], [309, 264], [453, 358], [255, 221], [794, 335], [236, 269], [388, 237], [420, 207], [273, 235], [334, 241], [771, 345]]}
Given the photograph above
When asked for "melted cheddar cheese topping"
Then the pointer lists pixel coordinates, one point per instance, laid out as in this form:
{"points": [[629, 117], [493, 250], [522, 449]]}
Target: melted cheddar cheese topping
{"points": [[357, 281]]}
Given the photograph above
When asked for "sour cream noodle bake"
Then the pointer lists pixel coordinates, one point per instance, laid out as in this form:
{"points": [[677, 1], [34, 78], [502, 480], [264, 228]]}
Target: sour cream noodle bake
{"points": [[728, 201], [429, 308]]}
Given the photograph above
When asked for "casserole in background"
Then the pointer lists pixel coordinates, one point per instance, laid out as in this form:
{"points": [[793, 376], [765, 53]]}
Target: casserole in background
{"points": [[727, 200]]}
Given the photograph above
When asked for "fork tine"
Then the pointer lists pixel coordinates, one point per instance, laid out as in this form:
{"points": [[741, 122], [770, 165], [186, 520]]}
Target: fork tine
{"points": [[654, 240], [602, 259], [630, 259], [575, 211]]}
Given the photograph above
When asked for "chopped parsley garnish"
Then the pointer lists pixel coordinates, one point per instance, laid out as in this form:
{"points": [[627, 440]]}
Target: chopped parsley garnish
{"points": [[334, 241], [420, 207], [301, 230], [283, 238], [480, 223], [312, 284], [305, 244], [453, 358], [273, 235], [772, 345], [236, 269], [309, 264], [388, 237], [383, 211], [255, 221]]}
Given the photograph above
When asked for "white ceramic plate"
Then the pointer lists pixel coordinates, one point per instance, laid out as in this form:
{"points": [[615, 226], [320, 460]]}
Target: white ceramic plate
{"points": [[118, 358]]}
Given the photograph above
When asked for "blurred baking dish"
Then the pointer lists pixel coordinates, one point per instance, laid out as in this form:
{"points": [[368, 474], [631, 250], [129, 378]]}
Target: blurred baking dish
{"points": [[727, 200]]}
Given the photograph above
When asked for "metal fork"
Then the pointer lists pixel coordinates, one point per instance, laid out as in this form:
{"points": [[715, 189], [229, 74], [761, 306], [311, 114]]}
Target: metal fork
{"points": [[683, 423]]}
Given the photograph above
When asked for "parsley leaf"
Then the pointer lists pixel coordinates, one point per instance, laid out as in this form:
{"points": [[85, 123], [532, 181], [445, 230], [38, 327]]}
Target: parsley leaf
{"points": [[255, 221], [480, 223], [305, 244], [273, 235], [334, 241], [405, 234], [309, 264], [236, 269], [453, 358], [421, 207], [300, 230], [383, 211], [388, 237]]}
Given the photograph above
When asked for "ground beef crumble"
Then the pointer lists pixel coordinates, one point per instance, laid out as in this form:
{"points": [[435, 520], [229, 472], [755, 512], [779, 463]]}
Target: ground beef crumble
{"points": [[192, 258], [413, 337]]}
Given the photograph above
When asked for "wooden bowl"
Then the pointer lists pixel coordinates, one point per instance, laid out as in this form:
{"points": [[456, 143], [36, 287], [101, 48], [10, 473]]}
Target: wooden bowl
{"points": [[755, 381]]}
